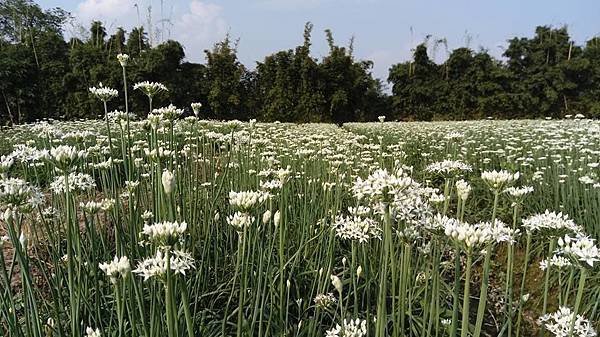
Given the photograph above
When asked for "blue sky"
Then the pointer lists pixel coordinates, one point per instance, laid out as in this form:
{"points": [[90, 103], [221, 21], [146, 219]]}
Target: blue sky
{"points": [[382, 28]]}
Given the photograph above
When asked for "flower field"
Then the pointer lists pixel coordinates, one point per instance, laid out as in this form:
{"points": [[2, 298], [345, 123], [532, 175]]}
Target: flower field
{"points": [[173, 226]]}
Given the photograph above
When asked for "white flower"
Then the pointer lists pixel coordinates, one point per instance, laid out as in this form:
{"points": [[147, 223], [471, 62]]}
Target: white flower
{"points": [[350, 328], [448, 167], [89, 332], [559, 323], [266, 218], [463, 189], [123, 59], [17, 193], [337, 283], [551, 221], [165, 232], [150, 88], [381, 186], [518, 192], [381, 118], [196, 107], [118, 266], [324, 300], [104, 93], [580, 248], [246, 199], [168, 181], [65, 156], [356, 228], [555, 261], [169, 113], [239, 221], [276, 218], [4, 239], [496, 180], [156, 266], [77, 182]]}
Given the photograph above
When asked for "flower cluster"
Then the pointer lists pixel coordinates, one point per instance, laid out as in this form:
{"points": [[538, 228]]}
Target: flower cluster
{"points": [[115, 268], [89, 332], [240, 221], [381, 186], [123, 59], [165, 233], [65, 157], [550, 221], [93, 207], [559, 324], [77, 182], [245, 200], [169, 113], [104, 93], [518, 192], [356, 228], [17, 193], [324, 300], [463, 189], [349, 328], [150, 88], [156, 266], [497, 180], [479, 234], [196, 108], [555, 261], [448, 167], [580, 248]]}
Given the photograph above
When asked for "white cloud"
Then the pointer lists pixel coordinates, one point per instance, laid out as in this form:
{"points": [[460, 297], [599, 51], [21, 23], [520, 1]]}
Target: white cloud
{"points": [[199, 28], [121, 12]]}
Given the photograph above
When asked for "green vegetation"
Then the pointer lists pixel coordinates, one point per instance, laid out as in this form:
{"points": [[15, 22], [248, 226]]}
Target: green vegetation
{"points": [[44, 76]]}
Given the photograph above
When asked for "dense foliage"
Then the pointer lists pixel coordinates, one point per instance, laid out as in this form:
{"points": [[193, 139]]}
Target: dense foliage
{"points": [[42, 75]]}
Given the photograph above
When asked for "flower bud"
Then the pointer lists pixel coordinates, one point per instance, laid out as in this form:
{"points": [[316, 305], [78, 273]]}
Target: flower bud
{"points": [[276, 218], [168, 181], [337, 283], [266, 218]]}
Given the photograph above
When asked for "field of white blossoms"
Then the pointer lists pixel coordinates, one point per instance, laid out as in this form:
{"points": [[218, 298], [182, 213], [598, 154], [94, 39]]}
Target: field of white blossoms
{"points": [[172, 226]]}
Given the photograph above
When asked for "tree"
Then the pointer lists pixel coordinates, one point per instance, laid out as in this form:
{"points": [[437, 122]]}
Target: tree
{"points": [[224, 73]]}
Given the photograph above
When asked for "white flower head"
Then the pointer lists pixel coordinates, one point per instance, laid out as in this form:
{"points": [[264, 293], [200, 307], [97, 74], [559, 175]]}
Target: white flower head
{"points": [[497, 180], [156, 266], [245, 200], [559, 324], [240, 221], [123, 59], [89, 332], [196, 108], [580, 248], [119, 266], [463, 189], [166, 232], [350, 328], [168, 181], [103, 93], [150, 88]]}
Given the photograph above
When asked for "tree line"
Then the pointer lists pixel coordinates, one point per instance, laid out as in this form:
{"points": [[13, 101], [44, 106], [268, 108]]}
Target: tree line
{"points": [[43, 75]]}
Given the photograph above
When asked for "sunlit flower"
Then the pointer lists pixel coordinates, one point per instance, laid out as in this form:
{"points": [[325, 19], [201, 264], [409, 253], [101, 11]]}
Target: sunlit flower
{"points": [[497, 180], [156, 266], [103, 93], [150, 88], [559, 323], [350, 328], [123, 59], [115, 268]]}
